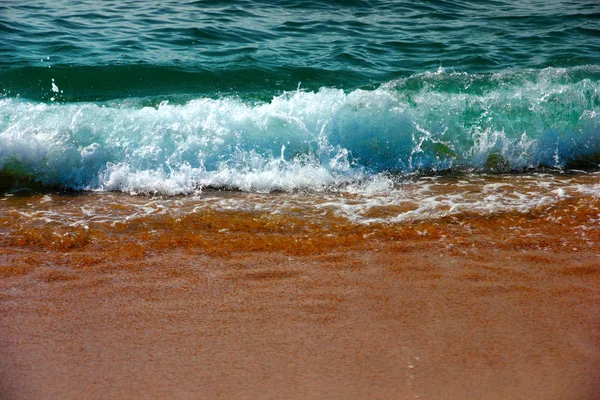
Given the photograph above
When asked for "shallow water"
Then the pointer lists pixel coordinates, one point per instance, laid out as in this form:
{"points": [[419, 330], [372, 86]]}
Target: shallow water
{"points": [[528, 209]]}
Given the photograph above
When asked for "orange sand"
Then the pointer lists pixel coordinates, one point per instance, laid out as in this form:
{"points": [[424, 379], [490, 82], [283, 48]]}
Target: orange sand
{"points": [[239, 305]]}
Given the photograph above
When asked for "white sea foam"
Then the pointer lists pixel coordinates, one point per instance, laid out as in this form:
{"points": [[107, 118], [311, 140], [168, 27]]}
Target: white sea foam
{"points": [[375, 201], [301, 140]]}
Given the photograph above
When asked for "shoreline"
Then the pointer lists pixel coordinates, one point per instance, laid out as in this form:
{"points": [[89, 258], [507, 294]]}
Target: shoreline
{"points": [[225, 304]]}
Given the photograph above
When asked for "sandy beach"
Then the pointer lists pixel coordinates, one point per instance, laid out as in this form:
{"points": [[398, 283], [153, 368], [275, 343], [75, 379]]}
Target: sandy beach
{"points": [[228, 305]]}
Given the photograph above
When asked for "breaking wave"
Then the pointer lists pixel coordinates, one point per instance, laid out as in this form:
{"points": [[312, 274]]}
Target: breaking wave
{"points": [[433, 122]]}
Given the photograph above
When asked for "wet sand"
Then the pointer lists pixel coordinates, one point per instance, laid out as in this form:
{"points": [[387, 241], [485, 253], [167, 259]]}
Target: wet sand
{"points": [[231, 305]]}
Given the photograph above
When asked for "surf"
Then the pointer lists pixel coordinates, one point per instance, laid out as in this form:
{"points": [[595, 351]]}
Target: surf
{"points": [[429, 123]]}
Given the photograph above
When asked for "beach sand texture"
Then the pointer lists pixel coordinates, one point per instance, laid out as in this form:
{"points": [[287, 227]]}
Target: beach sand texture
{"points": [[218, 303]]}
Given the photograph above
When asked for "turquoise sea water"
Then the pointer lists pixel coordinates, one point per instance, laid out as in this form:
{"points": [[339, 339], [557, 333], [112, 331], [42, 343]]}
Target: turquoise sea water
{"points": [[175, 96]]}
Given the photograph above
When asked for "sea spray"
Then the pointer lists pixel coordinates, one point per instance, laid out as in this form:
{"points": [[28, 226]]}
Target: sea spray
{"points": [[427, 123]]}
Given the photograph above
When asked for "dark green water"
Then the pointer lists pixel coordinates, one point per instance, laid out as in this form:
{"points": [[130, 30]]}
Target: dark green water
{"points": [[122, 95], [114, 49]]}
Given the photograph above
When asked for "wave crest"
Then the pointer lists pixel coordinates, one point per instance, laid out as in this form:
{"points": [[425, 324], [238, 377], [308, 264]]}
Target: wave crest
{"points": [[308, 139]]}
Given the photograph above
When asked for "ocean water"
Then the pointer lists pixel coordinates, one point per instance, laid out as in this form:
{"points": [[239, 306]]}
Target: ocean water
{"points": [[352, 97]]}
